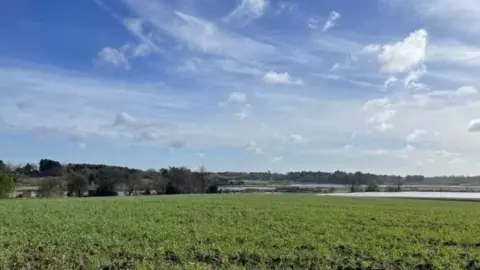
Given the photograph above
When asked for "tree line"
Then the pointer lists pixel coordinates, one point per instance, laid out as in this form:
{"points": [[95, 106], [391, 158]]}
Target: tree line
{"points": [[54, 177]]}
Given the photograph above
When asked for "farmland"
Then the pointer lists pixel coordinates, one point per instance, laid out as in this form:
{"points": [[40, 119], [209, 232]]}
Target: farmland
{"points": [[237, 232]]}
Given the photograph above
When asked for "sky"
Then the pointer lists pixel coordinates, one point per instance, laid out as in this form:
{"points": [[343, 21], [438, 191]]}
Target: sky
{"points": [[243, 85]]}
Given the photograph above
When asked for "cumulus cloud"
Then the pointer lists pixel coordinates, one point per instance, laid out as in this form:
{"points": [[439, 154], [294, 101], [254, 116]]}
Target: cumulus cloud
{"points": [[382, 127], [474, 126], [380, 120], [382, 116], [415, 135], [248, 10], [466, 91], [273, 77], [331, 21], [120, 58], [113, 57], [402, 56], [382, 113], [411, 81]]}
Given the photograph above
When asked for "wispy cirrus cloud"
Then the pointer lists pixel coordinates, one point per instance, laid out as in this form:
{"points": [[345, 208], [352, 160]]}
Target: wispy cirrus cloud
{"points": [[248, 10], [196, 77], [333, 17]]}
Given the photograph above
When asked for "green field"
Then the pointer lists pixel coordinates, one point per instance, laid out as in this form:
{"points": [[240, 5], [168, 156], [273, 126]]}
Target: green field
{"points": [[239, 232]]}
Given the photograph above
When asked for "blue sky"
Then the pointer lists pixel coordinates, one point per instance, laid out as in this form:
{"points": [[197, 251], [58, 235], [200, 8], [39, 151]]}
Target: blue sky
{"points": [[245, 85]]}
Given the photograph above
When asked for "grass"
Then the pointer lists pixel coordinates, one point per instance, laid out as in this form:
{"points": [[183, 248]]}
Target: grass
{"points": [[251, 231]]}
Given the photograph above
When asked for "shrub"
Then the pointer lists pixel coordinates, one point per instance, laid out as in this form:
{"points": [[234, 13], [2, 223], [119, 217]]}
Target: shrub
{"points": [[77, 185], [51, 187], [170, 189], [213, 189], [7, 186], [148, 191], [373, 187]]}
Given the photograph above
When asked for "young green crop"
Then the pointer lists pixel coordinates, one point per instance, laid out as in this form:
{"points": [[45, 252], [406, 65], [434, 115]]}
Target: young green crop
{"points": [[239, 232]]}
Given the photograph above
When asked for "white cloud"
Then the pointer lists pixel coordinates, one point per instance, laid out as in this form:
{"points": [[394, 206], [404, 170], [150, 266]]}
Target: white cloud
{"points": [[402, 56], [146, 43], [410, 147], [389, 82], [112, 56], [356, 82], [411, 81], [441, 97], [244, 112], [415, 135], [381, 113], [237, 97], [253, 148], [382, 127], [463, 12], [445, 153], [285, 7], [200, 155], [348, 146], [331, 21], [313, 23], [273, 77], [296, 138], [197, 33], [248, 10], [124, 119], [181, 112], [82, 145], [454, 53], [380, 152], [277, 159], [372, 48], [379, 103], [205, 36], [465, 91], [335, 66], [474, 126], [141, 50], [382, 116]]}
